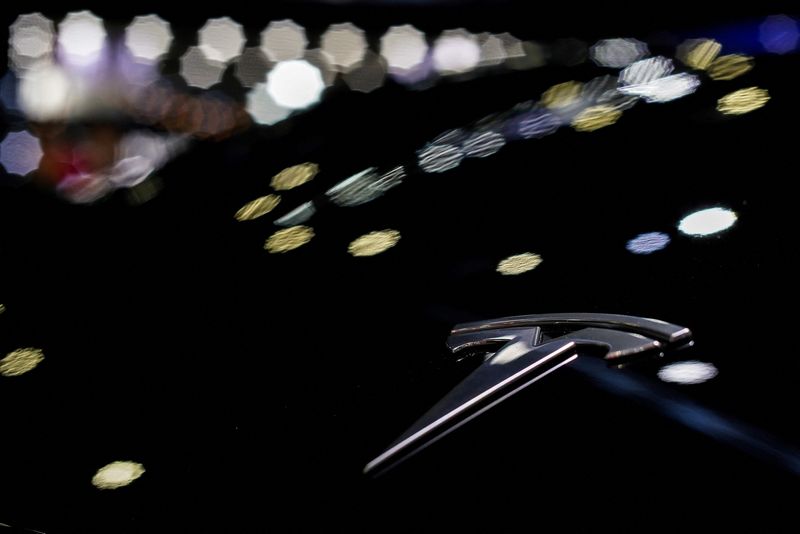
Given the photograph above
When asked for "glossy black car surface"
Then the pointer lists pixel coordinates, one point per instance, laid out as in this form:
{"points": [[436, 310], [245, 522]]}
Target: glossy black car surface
{"points": [[255, 387]]}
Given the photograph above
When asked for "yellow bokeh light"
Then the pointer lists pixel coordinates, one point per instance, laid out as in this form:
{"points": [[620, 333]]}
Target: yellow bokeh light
{"points": [[518, 264], [294, 176], [117, 474], [699, 53], [743, 101], [288, 239], [562, 95], [730, 67], [596, 117], [20, 361], [374, 243], [258, 207]]}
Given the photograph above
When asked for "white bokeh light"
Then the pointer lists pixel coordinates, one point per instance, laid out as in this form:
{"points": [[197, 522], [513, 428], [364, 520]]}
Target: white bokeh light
{"points": [[688, 372], [283, 40], [148, 37], [707, 222], [198, 70], [664, 89], [262, 107], [455, 52], [81, 37], [221, 39], [295, 84], [46, 93], [617, 53], [403, 48], [345, 46], [646, 70]]}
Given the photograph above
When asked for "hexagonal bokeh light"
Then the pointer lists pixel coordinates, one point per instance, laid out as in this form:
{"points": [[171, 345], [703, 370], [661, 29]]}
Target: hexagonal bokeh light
{"points": [[283, 40], [81, 37], [403, 47], [345, 45], [20, 153], [31, 38], [221, 39], [200, 71], [295, 84], [148, 38], [456, 52]]}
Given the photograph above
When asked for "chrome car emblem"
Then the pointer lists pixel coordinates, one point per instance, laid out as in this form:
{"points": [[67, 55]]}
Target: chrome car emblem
{"points": [[522, 350]]}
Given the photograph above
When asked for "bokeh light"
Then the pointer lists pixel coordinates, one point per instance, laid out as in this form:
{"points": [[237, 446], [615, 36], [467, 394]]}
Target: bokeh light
{"points": [[561, 95], [20, 361], [263, 108], [707, 222], [779, 34], [283, 40], [294, 176], [345, 46], [288, 239], [47, 93], [743, 101], [664, 89], [483, 144], [81, 37], [698, 53], [200, 71], [730, 67], [117, 474], [258, 207], [299, 215], [365, 186], [295, 84], [688, 372], [519, 263], [403, 47], [439, 157], [596, 117], [368, 76], [31, 38], [20, 153], [646, 70], [456, 51], [493, 50], [374, 243], [536, 124], [221, 40], [648, 243], [618, 53], [148, 38], [251, 67]]}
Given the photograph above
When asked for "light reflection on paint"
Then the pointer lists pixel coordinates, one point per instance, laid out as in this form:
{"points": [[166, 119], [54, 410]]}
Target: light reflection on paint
{"points": [[648, 243], [688, 372], [707, 222]]}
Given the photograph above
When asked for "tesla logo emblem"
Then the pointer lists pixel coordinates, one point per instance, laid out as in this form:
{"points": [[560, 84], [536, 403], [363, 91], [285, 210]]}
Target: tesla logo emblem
{"points": [[522, 350]]}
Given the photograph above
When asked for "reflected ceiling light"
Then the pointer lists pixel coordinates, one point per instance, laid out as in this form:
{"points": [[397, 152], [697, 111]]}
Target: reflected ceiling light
{"points": [[403, 47], [263, 108], [81, 36], [688, 372], [200, 71], [706, 222], [698, 53], [148, 37], [283, 40], [258, 207], [20, 361], [368, 76], [648, 243], [561, 95], [730, 67], [493, 51], [299, 215], [46, 93], [618, 53], [288, 239], [295, 84], [439, 158], [221, 40], [779, 34], [374, 243], [646, 70], [20, 153], [345, 45], [455, 52], [596, 117], [483, 144], [294, 176], [743, 101], [518, 264], [664, 89], [251, 67], [117, 474]]}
